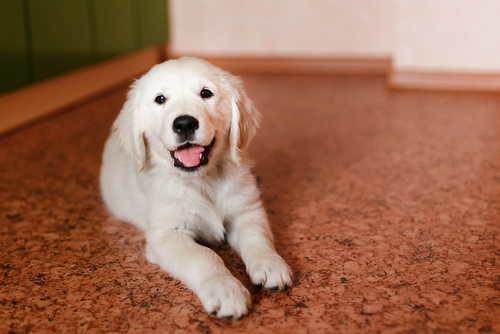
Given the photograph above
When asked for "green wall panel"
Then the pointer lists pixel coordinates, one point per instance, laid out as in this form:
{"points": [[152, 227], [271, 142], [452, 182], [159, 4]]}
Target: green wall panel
{"points": [[14, 66], [40, 39], [61, 36], [114, 27], [152, 21]]}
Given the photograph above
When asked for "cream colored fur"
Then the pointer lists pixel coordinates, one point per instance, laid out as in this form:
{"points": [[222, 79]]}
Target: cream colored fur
{"points": [[177, 208]]}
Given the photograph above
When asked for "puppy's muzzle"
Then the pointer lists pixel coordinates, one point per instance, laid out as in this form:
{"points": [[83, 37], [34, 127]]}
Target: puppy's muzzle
{"points": [[189, 156]]}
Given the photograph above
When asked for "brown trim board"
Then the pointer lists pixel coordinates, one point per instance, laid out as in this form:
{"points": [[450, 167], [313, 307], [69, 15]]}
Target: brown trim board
{"points": [[292, 65], [401, 79], [25, 105]]}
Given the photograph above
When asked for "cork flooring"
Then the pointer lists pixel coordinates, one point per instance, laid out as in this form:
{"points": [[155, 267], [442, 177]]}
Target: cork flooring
{"points": [[386, 204]]}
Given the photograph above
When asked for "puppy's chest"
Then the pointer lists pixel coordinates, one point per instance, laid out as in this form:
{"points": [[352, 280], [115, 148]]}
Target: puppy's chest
{"points": [[204, 208], [216, 199], [209, 216]]}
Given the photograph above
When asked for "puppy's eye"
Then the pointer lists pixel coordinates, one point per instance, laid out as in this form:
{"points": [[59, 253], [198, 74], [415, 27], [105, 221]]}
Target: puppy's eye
{"points": [[160, 99], [206, 93]]}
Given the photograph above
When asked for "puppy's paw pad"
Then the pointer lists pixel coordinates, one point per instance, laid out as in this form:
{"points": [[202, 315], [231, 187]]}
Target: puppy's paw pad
{"points": [[225, 297], [270, 272]]}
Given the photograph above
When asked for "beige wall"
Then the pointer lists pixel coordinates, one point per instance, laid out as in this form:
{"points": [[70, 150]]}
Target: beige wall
{"points": [[448, 36], [310, 28], [461, 36]]}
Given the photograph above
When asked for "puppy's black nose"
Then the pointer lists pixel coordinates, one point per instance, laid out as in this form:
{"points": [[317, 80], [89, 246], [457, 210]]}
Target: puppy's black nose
{"points": [[185, 125]]}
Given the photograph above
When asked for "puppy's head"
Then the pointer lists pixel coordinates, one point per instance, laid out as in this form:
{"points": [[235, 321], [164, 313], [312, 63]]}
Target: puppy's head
{"points": [[186, 114]]}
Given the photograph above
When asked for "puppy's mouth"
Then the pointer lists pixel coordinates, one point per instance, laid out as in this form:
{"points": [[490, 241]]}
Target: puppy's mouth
{"points": [[190, 157]]}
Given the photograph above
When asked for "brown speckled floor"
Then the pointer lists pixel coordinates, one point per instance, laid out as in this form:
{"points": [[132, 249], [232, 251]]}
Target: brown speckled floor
{"points": [[385, 203]]}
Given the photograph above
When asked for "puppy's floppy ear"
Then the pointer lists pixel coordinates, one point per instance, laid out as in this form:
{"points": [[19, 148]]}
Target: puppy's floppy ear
{"points": [[128, 127], [244, 119]]}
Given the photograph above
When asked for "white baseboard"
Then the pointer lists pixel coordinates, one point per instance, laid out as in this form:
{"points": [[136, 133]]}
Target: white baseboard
{"points": [[444, 81]]}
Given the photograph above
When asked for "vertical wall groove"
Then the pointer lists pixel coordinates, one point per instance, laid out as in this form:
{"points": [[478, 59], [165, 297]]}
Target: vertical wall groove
{"points": [[29, 45], [93, 29], [136, 10]]}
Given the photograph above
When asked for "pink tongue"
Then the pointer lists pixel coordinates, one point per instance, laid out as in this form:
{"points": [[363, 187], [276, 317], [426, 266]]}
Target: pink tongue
{"points": [[190, 157]]}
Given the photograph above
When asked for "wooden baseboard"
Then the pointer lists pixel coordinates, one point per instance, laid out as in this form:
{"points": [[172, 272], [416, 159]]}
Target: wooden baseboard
{"points": [[25, 105], [444, 81], [297, 65]]}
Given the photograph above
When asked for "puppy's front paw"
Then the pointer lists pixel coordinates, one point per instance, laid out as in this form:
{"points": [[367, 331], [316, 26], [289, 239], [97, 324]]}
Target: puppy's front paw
{"points": [[225, 297], [270, 271]]}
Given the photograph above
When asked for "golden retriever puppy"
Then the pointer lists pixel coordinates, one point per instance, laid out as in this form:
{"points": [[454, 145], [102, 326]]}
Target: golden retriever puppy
{"points": [[175, 166]]}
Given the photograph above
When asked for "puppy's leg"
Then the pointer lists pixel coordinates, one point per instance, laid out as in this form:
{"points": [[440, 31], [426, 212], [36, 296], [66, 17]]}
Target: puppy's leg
{"points": [[250, 235], [201, 269]]}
